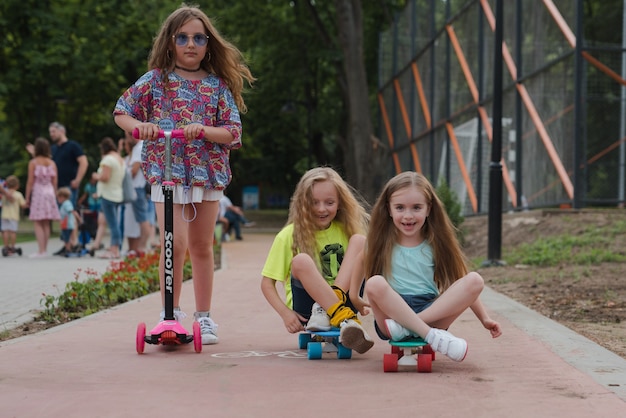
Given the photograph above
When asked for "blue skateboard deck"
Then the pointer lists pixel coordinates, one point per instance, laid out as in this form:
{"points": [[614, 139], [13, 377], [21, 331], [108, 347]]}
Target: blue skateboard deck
{"points": [[415, 353], [319, 342]]}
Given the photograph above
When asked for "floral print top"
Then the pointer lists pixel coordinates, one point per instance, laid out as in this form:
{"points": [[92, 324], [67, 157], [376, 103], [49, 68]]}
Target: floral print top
{"points": [[198, 163]]}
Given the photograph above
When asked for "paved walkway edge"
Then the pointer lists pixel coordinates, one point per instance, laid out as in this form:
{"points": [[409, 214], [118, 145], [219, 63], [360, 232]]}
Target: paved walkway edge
{"points": [[604, 366]]}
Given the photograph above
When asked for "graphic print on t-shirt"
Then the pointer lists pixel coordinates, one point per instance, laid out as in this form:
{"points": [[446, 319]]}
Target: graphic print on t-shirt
{"points": [[331, 257]]}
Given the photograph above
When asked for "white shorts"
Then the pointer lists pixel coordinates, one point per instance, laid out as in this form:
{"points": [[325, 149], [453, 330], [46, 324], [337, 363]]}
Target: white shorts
{"points": [[182, 196], [9, 225]]}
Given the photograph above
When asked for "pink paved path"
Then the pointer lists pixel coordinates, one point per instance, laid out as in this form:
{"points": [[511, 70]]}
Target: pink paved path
{"points": [[89, 368]]}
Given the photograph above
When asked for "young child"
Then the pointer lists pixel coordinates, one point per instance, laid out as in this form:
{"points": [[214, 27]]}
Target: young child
{"points": [[12, 203], [314, 256], [418, 280], [195, 82], [69, 217]]}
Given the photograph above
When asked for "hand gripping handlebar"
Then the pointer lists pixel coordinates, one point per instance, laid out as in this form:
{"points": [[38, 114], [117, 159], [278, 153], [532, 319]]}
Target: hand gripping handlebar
{"points": [[175, 133]]}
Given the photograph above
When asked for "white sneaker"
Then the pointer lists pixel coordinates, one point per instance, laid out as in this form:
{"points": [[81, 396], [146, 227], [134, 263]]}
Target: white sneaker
{"points": [[178, 315], [353, 336], [319, 320], [208, 330], [397, 332], [446, 343]]}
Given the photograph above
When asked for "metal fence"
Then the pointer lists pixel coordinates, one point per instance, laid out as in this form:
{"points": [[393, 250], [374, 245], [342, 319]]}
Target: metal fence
{"points": [[563, 101]]}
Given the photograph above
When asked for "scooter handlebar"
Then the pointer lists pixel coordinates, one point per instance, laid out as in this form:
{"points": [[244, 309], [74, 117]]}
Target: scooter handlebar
{"points": [[176, 133]]}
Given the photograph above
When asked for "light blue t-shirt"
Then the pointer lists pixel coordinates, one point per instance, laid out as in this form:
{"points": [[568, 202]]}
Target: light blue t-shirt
{"points": [[413, 270], [65, 210]]}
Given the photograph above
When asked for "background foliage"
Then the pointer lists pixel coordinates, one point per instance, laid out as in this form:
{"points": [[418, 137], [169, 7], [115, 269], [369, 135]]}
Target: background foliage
{"points": [[70, 60]]}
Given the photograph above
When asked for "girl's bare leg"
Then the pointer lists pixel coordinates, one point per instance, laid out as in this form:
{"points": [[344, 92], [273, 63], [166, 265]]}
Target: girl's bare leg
{"points": [[200, 233], [102, 226], [386, 303], [454, 301], [316, 286], [42, 233]]}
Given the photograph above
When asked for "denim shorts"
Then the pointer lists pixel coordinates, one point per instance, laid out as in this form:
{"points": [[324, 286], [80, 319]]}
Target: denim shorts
{"points": [[417, 302], [140, 205], [65, 235]]}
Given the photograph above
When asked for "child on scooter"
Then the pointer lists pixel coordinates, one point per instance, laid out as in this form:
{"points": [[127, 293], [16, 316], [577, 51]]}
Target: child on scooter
{"points": [[195, 83]]}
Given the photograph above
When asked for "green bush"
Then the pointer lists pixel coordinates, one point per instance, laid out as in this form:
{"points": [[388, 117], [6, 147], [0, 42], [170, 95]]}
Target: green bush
{"points": [[123, 281], [452, 205]]}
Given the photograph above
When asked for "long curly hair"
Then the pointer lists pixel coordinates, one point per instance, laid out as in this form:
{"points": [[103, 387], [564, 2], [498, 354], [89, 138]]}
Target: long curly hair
{"points": [[222, 59], [351, 212], [438, 231]]}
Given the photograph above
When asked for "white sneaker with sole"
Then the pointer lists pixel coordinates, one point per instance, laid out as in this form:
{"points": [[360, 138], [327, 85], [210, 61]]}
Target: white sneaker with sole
{"points": [[178, 315], [397, 332], [353, 336], [319, 320], [208, 330], [445, 343]]}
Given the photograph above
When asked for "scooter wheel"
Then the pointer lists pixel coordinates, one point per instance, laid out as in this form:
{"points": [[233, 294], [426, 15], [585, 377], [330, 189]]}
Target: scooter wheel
{"points": [[197, 337], [140, 341]]}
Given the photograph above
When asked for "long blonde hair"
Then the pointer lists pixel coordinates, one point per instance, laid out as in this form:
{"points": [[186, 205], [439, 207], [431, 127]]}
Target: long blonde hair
{"points": [[438, 231], [222, 59], [351, 212]]}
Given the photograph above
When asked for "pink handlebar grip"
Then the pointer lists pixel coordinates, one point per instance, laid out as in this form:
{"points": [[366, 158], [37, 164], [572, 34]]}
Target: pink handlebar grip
{"points": [[176, 133]]}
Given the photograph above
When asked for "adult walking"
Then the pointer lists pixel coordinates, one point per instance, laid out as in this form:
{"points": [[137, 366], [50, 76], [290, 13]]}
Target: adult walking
{"points": [[110, 176]]}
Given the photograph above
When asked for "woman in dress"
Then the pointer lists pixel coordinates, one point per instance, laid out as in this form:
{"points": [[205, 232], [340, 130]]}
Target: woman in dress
{"points": [[41, 188]]}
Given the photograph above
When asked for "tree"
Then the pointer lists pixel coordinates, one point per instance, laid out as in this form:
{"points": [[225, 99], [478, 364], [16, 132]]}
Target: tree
{"points": [[312, 104], [364, 156]]}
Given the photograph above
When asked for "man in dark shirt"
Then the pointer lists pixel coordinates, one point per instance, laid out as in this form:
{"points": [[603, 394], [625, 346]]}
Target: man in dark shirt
{"points": [[70, 159], [71, 164]]}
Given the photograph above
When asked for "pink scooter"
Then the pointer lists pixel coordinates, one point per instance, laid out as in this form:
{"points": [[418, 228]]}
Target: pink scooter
{"points": [[169, 331]]}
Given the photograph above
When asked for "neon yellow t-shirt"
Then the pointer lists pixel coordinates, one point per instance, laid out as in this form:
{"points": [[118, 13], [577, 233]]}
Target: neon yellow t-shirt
{"points": [[331, 246]]}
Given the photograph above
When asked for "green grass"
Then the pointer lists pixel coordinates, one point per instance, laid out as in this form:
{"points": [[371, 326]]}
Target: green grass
{"points": [[592, 246]]}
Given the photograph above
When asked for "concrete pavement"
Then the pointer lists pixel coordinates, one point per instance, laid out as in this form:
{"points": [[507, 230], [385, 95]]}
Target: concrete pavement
{"points": [[24, 279], [90, 368]]}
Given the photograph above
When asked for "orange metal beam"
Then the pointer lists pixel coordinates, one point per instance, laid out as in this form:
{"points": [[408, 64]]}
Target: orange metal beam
{"points": [[606, 151], [571, 39], [606, 70], [459, 157], [560, 22], [422, 95], [405, 115], [463, 62], [467, 72], [387, 123], [589, 161], [532, 110], [407, 124]]}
